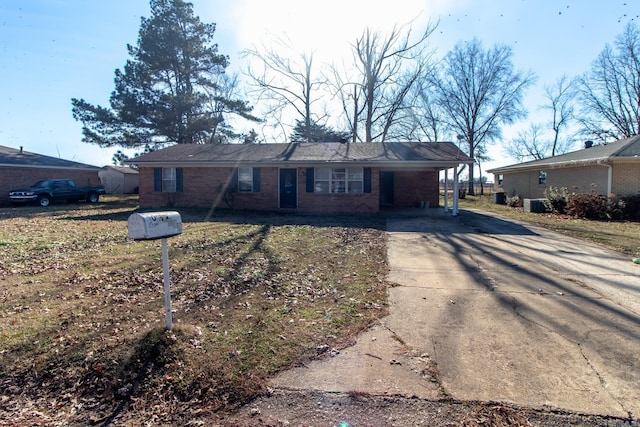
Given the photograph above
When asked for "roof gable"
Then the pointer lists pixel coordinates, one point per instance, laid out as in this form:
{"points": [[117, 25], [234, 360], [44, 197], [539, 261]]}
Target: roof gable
{"points": [[11, 157], [444, 153]]}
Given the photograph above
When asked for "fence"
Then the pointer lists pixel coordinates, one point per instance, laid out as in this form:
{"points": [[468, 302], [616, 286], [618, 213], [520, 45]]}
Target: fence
{"points": [[485, 189]]}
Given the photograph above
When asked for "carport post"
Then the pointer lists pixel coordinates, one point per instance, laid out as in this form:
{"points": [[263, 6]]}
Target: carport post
{"points": [[455, 191], [446, 190]]}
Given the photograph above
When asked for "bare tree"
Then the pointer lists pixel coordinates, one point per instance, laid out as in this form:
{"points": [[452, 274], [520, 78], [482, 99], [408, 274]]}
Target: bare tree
{"points": [[387, 67], [540, 140], [479, 92], [561, 102], [426, 120], [610, 91], [529, 144], [286, 81]]}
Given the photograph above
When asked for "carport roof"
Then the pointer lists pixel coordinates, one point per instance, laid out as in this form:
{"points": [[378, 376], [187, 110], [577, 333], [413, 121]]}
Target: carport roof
{"points": [[422, 154]]}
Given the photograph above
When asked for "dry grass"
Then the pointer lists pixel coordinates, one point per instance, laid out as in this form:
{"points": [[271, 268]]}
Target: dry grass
{"points": [[82, 335], [622, 236]]}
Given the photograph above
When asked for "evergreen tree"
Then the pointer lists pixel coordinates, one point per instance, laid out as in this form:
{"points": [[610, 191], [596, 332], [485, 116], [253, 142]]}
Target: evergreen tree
{"points": [[173, 90], [316, 133]]}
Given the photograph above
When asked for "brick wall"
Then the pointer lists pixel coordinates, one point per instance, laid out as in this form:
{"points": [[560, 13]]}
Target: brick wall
{"points": [[13, 178], [410, 188], [203, 187]]}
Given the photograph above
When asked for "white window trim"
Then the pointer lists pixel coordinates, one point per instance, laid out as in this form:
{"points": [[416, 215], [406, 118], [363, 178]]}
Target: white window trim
{"points": [[333, 184], [169, 183], [247, 181], [542, 178]]}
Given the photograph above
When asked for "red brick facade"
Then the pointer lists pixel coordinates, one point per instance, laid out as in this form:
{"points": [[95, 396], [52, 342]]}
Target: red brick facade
{"points": [[15, 177], [205, 187]]}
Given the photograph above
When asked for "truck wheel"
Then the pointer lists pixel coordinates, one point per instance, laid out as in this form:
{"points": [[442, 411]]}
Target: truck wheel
{"points": [[93, 197], [44, 201]]}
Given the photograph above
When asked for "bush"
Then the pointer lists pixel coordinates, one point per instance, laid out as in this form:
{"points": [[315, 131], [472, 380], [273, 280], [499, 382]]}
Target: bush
{"points": [[556, 199], [515, 201], [595, 206], [631, 207]]}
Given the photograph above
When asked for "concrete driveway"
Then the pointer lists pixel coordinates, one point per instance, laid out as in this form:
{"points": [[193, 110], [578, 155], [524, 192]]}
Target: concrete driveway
{"points": [[492, 310]]}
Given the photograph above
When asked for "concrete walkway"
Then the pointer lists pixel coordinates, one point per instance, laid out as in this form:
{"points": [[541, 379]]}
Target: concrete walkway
{"points": [[488, 309]]}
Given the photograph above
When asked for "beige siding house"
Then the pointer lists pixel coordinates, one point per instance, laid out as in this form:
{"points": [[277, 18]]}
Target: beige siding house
{"points": [[612, 168]]}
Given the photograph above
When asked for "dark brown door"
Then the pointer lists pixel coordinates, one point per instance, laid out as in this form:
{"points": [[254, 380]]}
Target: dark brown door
{"points": [[386, 188], [288, 188]]}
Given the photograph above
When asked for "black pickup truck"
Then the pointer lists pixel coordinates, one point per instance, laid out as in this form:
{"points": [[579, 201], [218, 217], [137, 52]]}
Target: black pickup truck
{"points": [[47, 191]]}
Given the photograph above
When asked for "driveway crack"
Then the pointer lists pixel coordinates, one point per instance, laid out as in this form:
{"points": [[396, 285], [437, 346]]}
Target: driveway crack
{"points": [[601, 379], [579, 344]]}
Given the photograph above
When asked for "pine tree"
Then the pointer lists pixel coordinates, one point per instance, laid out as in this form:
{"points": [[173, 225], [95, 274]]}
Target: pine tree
{"points": [[173, 90]]}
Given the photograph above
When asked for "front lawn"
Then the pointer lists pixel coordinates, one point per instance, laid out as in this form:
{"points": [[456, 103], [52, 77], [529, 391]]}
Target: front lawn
{"points": [[83, 339]]}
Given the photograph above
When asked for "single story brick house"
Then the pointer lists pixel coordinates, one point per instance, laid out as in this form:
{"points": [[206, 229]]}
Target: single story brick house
{"points": [[612, 168], [119, 179], [20, 168], [297, 177]]}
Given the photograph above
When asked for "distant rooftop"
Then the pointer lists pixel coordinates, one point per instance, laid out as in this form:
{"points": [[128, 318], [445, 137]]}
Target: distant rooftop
{"points": [[12, 157]]}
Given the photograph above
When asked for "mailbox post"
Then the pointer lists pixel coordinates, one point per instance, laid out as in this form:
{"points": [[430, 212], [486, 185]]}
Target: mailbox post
{"points": [[152, 226]]}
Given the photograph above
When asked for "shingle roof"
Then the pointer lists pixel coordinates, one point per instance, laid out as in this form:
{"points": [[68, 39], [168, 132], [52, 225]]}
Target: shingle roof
{"points": [[11, 157], [434, 154], [628, 148], [122, 169]]}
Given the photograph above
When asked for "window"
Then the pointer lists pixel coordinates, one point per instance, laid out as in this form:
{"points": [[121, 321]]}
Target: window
{"points": [[168, 180], [500, 179], [245, 180], [339, 180], [542, 177]]}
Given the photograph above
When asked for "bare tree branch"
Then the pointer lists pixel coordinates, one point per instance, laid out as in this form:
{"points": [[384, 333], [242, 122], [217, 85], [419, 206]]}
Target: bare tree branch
{"points": [[387, 67], [479, 92], [610, 91]]}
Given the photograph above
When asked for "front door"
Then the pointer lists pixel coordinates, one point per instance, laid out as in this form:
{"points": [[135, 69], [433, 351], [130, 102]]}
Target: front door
{"points": [[288, 188], [386, 188]]}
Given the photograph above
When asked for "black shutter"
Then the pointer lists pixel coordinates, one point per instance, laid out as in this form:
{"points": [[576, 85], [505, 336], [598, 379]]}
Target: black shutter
{"points": [[233, 182], [367, 180], [178, 179], [256, 180], [310, 180], [157, 179]]}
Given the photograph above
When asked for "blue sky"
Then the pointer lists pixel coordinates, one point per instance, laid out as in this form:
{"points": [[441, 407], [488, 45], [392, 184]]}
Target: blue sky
{"points": [[55, 50]]}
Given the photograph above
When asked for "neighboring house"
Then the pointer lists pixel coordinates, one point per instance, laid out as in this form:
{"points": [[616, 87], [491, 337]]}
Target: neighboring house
{"points": [[612, 168], [20, 169], [119, 179], [304, 177]]}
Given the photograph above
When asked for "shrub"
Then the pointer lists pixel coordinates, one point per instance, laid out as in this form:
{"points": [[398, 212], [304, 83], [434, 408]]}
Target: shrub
{"points": [[631, 207], [515, 201], [595, 206], [556, 199]]}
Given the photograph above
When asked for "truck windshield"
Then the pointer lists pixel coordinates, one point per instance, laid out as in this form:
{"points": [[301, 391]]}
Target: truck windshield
{"points": [[40, 184]]}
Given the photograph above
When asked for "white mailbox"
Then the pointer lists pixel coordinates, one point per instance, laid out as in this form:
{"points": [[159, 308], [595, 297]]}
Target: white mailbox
{"points": [[154, 225]]}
